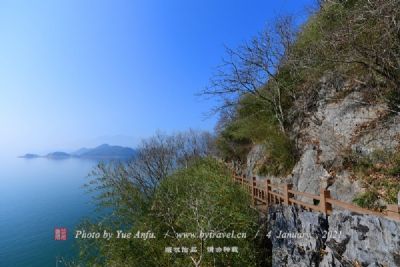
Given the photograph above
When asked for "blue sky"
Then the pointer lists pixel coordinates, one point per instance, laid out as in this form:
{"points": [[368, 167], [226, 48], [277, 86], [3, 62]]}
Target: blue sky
{"points": [[80, 73]]}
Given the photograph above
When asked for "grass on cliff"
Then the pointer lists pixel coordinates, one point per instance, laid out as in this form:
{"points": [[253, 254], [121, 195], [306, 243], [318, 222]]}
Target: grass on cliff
{"points": [[256, 124], [379, 174]]}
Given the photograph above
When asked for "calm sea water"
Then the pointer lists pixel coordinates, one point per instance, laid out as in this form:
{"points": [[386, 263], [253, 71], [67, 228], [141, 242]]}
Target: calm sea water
{"points": [[37, 195]]}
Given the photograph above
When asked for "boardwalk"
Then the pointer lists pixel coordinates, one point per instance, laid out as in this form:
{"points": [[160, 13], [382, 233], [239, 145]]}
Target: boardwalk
{"points": [[265, 194]]}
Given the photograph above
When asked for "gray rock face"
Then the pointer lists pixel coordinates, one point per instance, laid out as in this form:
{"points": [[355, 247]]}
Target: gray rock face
{"points": [[343, 240], [343, 120], [254, 159], [308, 175], [343, 188], [297, 237], [384, 136], [335, 123], [365, 240]]}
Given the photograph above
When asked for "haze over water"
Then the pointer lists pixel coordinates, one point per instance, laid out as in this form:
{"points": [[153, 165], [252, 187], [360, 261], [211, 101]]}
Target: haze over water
{"points": [[37, 195]]}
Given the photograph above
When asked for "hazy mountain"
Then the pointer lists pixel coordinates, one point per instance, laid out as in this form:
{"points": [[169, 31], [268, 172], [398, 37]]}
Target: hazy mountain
{"points": [[108, 152], [58, 155], [30, 156], [104, 151], [80, 151]]}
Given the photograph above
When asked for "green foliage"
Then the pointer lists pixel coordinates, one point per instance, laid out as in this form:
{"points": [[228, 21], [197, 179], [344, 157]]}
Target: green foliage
{"points": [[390, 187], [355, 38], [360, 164], [254, 119], [202, 198], [395, 170], [367, 200], [394, 167], [379, 161], [307, 61], [231, 145], [281, 155], [251, 125], [380, 173], [255, 123], [198, 199]]}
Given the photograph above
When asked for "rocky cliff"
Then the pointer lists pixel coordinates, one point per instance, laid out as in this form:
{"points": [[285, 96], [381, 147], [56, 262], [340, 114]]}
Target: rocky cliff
{"points": [[342, 123], [301, 238]]}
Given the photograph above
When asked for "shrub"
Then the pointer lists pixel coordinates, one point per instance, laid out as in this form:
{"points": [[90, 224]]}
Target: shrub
{"points": [[203, 198], [255, 123], [367, 200], [232, 146], [281, 156], [199, 198]]}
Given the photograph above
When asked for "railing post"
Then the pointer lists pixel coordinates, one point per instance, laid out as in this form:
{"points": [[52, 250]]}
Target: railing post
{"points": [[253, 190], [398, 199], [267, 183], [286, 193], [324, 206]]}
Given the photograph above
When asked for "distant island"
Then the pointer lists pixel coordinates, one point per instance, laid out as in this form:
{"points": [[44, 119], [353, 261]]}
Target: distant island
{"points": [[30, 156], [104, 151]]}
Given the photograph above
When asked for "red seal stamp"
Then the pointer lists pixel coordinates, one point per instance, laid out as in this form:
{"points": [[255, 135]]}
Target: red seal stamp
{"points": [[60, 234]]}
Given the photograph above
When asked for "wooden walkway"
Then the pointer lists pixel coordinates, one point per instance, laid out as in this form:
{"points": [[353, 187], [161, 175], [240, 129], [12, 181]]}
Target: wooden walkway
{"points": [[265, 194]]}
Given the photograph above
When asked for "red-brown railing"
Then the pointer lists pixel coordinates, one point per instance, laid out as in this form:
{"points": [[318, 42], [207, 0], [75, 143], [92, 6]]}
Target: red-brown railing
{"points": [[265, 194]]}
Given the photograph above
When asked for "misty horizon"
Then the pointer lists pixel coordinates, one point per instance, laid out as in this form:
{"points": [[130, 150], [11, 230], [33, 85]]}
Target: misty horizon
{"points": [[81, 74], [118, 140]]}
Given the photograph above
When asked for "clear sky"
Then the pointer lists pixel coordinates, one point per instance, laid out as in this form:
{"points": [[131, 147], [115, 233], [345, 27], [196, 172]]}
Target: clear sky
{"points": [[80, 73]]}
